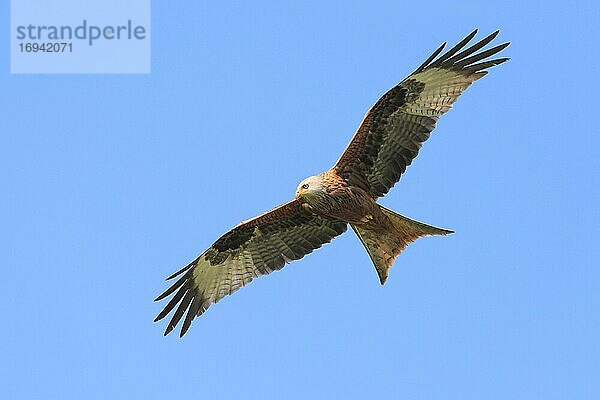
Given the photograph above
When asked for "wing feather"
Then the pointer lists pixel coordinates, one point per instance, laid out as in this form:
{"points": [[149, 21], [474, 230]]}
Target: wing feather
{"points": [[251, 249], [394, 129]]}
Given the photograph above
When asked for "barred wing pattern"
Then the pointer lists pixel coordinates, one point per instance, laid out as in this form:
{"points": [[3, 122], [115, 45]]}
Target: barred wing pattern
{"points": [[254, 248], [394, 129]]}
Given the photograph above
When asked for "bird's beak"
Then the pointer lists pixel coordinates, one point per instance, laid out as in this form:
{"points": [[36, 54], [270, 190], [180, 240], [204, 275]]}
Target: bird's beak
{"points": [[297, 193]]}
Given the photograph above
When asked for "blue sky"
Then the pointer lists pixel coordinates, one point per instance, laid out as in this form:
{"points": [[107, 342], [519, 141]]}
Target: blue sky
{"points": [[112, 182]]}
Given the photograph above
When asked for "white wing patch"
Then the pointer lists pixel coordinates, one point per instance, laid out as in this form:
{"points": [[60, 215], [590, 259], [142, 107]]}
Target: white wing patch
{"points": [[442, 88]]}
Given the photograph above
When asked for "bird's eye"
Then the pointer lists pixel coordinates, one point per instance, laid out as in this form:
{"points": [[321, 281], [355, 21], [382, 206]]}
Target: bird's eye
{"points": [[305, 186]]}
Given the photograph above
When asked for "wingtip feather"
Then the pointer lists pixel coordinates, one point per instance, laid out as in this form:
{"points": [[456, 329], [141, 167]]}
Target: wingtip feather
{"points": [[455, 48], [429, 59], [182, 270], [465, 58]]}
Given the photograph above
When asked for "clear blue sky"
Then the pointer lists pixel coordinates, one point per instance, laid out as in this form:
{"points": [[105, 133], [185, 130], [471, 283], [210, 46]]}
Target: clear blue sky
{"points": [[112, 182]]}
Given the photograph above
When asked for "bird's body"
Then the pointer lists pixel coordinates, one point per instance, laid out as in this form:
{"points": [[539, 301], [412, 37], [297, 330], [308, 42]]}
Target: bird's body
{"points": [[386, 142], [383, 233], [330, 195]]}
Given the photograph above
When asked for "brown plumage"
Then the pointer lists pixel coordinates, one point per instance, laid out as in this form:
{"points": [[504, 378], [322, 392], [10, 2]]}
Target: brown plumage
{"points": [[386, 142]]}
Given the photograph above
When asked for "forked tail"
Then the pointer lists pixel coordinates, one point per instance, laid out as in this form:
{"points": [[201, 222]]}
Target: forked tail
{"points": [[385, 243]]}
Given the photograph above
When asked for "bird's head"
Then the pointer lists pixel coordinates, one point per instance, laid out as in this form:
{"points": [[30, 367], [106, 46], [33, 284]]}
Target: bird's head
{"points": [[310, 186]]}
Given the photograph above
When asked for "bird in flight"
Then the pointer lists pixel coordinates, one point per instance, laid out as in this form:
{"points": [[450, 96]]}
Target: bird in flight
{"points": [[386, 142]]}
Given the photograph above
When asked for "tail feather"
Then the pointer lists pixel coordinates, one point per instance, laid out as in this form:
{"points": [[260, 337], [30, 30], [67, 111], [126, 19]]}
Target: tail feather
{"points": [[384, 244]]}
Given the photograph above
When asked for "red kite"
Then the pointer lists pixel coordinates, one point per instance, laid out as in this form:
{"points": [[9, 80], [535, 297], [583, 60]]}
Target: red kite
{"points": [[386, 142]]}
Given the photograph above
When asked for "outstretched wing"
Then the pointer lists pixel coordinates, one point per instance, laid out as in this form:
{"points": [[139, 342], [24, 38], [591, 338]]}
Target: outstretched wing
{"points": [[255, 247], [393, 130]]}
